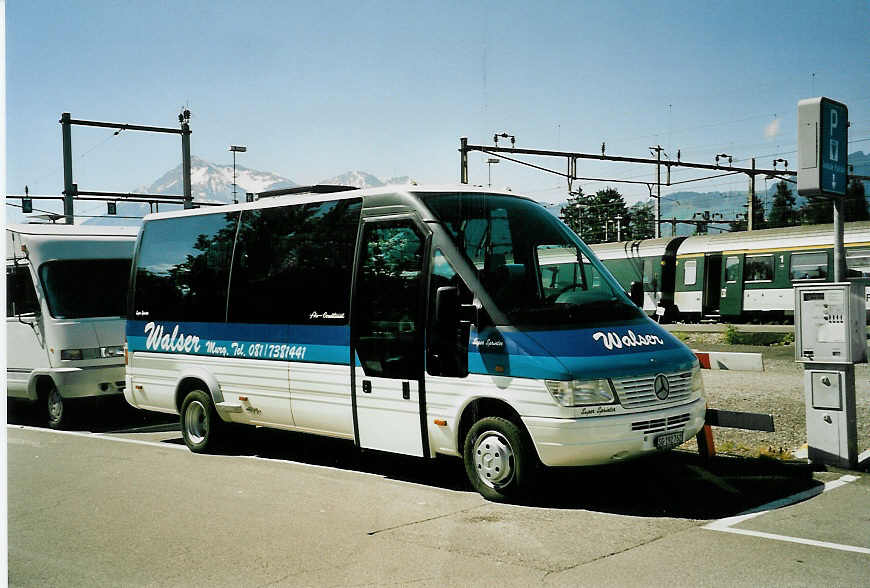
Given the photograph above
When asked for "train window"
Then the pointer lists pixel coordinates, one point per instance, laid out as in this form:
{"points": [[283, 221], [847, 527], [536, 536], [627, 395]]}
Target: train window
{"points": [[809, 266], [858, 263], [759, 268], [690, 273], [732, 269]]}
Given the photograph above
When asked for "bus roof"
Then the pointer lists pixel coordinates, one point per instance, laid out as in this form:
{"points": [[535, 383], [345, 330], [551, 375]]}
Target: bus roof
{"points": [[342, 195]]}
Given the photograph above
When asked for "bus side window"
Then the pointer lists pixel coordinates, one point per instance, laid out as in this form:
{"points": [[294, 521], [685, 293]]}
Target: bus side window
{"points": [[20, 293], [387, 334]]}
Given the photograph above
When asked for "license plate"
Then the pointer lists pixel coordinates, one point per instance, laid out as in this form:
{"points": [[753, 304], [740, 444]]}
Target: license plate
{"points": [[669, 440]]}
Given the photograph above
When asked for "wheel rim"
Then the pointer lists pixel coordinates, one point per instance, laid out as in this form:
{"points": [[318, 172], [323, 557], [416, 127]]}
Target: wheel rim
{"points": [[55, 405], [493, 459], [196, 422]]}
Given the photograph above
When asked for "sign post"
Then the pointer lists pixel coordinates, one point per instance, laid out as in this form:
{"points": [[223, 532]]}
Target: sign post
{"points": [[828, 316]]}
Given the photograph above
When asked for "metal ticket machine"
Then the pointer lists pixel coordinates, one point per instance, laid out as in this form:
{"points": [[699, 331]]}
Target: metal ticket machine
{"points": [[830, 338]]}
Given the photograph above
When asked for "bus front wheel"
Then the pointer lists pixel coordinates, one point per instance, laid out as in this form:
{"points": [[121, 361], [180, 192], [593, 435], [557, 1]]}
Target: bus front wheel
{"points": [[55, 408], [200, 423], [498, 458]]}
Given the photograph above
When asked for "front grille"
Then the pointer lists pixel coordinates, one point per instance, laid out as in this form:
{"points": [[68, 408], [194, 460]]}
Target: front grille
{"points": [[639, 392], [664, 425]]}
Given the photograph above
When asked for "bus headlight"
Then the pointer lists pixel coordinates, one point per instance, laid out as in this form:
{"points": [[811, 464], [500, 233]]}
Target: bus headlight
{"points": [[697, 381], [580, 392], [70, 354]]}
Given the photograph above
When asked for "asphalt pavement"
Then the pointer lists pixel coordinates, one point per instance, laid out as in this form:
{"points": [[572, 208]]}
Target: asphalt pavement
{"points": [[132, 506]]}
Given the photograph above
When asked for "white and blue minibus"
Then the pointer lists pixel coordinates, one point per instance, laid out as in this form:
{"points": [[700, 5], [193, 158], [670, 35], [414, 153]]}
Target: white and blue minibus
{"points": [[442, 320]]}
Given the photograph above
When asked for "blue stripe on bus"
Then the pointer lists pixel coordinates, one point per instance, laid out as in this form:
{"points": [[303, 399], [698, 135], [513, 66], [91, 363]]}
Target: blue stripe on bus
{"points": [[587, 353]]}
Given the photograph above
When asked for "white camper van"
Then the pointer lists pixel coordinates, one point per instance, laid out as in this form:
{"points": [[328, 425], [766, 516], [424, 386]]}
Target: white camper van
{"points": [[66, 288]]}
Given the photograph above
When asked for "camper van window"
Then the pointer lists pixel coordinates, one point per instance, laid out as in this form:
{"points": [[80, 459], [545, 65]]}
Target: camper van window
{"points": [[20, 293], [70, 295], [514, 245]]}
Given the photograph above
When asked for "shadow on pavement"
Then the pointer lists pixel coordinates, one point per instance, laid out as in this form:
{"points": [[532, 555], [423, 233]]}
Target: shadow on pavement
{"points": [[678, 484]]}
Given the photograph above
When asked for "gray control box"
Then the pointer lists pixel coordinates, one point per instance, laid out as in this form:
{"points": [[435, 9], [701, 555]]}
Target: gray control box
{"points": [[830, 323], [830, 410]]}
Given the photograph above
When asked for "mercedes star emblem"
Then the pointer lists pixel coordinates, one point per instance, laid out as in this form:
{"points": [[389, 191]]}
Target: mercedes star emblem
{"points": [[661, 386]]}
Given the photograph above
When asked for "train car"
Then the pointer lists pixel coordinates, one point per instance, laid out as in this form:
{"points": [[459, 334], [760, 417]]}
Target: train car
{"points": [[739, 276], [750, 275], [650, 263]]}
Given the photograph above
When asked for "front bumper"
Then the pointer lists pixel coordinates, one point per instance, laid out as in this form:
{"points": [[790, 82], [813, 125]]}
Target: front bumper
{"points": [[83, 382], [608, 439]]}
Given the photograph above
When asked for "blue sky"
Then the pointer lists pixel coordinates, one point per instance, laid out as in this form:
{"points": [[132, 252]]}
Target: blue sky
{"points": [[317, 89]]}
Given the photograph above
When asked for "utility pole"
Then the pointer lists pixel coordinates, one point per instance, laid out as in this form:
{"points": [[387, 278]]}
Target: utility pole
{"points": [[658, 150], [184, 119], [619, 228], [69, 189], [463, 160], [750, 211]]}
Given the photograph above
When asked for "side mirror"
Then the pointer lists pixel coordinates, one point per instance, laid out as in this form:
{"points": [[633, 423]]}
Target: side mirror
{"points": [[446, 307], [448, 351], [636, 293]]}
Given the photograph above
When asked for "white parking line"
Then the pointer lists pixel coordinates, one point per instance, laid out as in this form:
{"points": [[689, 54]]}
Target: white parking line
{"points": [[726, 525]]}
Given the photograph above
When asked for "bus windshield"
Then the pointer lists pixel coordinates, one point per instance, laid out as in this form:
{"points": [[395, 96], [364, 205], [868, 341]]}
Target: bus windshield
{"points": [[536, 270], [85, 288]]}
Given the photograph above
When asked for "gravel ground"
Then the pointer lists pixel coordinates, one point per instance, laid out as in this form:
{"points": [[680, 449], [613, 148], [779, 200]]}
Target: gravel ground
{"points": [[779, 391]]}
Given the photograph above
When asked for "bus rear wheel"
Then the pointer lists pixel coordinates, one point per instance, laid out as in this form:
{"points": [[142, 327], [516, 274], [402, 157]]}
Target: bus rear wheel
{"points": [[499, 460], [200, 423]]}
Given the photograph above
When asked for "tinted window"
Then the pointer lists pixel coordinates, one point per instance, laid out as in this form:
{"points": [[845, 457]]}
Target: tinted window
{"points": [[388, 332], [447, 352], [82, 288], [511, 242], [759, 268], [20, 293], [183, 268], [293, 264], [809, 266]]}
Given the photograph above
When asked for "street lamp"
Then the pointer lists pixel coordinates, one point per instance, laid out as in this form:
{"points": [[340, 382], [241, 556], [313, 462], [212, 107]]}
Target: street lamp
{"points": [[489, 163], [236, 149]]}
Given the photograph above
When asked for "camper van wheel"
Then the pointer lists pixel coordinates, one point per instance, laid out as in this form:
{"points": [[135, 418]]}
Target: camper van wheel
{"points": [[55, 408], [200, 422], [497, 459]]}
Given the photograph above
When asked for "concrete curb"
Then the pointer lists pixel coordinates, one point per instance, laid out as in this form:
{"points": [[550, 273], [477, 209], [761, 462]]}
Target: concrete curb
{"points": [[727, 360]]}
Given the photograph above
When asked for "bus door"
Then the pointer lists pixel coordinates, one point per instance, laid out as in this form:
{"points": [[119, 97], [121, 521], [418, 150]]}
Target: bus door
{"points": [[387, 337], [731, 303]]}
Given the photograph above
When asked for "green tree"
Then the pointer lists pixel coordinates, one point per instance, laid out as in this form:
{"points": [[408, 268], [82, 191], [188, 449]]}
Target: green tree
{"points": [[758, 221], [856, 202], [602, 208], [641, 221], [817, 211], [571, 213], [782, 213]]}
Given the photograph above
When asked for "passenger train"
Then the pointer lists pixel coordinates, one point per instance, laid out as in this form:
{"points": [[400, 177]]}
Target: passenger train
{"points": [[738, 276]]}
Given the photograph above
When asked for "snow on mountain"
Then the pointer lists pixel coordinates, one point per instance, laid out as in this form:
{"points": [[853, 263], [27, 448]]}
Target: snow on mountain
{"points": [[361, 179], [211, 182]]}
